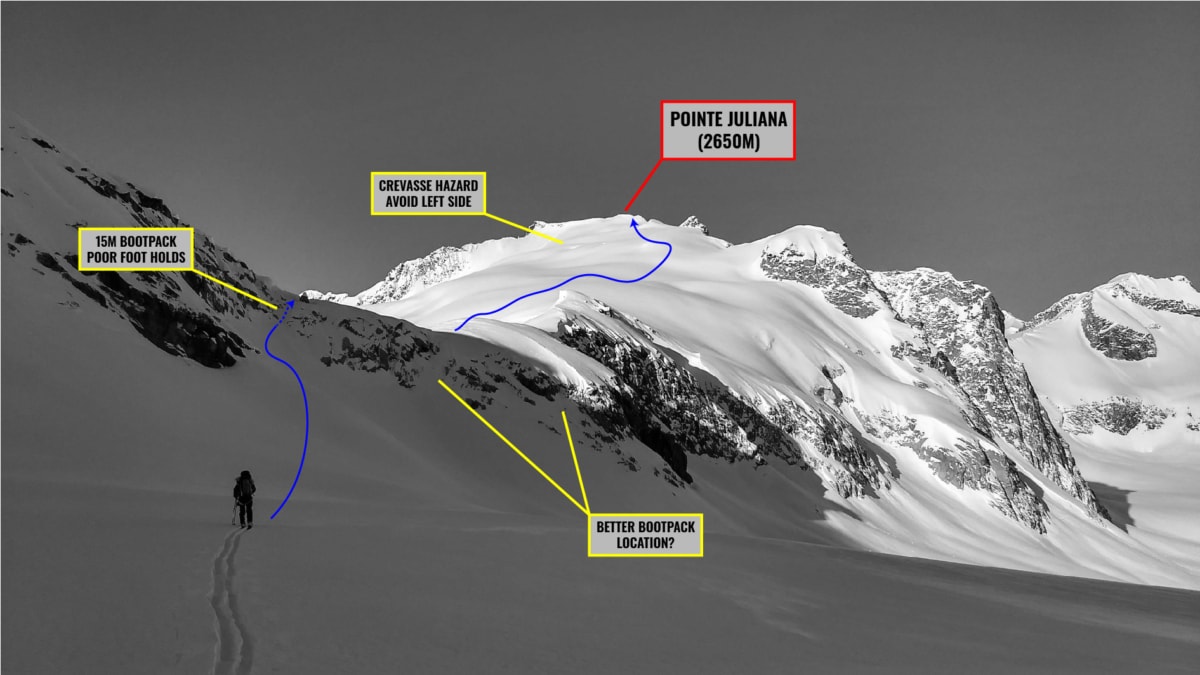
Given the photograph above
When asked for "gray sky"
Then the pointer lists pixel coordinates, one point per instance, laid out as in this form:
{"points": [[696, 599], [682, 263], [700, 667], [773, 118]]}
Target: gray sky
{"points": [[1037, 149]]}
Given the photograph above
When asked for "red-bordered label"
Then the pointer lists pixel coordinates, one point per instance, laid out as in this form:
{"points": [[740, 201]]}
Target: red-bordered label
{"points": [[746, 138]]}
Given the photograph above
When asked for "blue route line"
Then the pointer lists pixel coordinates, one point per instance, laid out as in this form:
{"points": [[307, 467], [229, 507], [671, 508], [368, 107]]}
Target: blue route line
{"points": [[634, 225], [303, 394]]}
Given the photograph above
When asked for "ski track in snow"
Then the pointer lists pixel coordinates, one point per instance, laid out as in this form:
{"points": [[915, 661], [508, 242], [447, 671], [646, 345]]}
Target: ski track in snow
{"points": [[234, 652]]}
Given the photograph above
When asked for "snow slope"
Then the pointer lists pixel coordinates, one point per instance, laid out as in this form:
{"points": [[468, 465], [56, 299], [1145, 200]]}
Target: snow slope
{"points": [[1134, 422], [786, 323], [415, 540]]}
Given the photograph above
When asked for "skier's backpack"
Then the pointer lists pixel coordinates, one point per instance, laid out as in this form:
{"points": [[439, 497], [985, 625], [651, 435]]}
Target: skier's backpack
{"points": [[242, 489]]}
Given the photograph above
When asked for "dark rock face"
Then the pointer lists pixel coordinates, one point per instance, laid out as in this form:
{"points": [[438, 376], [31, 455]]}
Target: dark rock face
{"points": [[963, 321], [677, 412], [921, 353], [968, 465], [219, 263], [654, 400], [1119, 414], [152, 302], [135, 200], [176, 329], [844, 284], [659, 402], [374, 344], [1160, 304], [1114, 340], [852, 470], [942, 364], [172, 327]]}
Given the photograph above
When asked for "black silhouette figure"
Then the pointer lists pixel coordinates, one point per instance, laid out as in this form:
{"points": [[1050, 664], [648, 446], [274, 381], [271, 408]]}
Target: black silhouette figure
{"points": [[243, 494]]}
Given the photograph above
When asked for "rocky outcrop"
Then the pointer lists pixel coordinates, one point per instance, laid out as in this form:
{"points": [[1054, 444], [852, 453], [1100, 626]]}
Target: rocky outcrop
{"points": [[1119, 414], [372, 344], [174, 328], [1114, 340], [964, 321], [831, 448], [844, 284], [1055, 311], [180, 313], [656, 401], [676, 411], [693, 223], [969, 465], [137, 202], [1162, 304]]}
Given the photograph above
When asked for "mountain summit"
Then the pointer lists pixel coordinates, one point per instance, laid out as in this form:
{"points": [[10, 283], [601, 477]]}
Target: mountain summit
{"points": [[880, 410], [817, 414], [899, 390]]}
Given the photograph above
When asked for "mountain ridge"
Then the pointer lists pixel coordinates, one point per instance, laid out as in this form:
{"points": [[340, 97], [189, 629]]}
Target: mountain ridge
{"points": [[1009, 448], [781, 356]]}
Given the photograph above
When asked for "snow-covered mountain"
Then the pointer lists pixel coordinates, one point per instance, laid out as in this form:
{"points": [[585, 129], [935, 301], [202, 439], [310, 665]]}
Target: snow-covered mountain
{"points": [[1118, 369], [899, 390], [817, 413], [963, 322], [1129, 348]]}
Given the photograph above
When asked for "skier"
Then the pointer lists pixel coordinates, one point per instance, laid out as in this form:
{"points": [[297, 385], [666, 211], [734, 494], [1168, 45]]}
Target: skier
{"points": [[243, 494]]}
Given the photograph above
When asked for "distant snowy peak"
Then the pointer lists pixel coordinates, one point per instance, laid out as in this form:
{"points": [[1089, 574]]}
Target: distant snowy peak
{"points": [[1114, 316], [1120, 363], [1172, 294], [445, 263]]}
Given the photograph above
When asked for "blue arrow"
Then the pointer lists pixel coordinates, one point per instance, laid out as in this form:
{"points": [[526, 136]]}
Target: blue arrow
{"points": [[632, 224], [303, 394]]}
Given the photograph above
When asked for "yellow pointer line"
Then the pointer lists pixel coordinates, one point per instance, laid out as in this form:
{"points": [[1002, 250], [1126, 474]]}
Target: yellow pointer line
{"points": [[583, 490], [514, 448], [522, 227], [233, 288]]}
